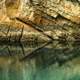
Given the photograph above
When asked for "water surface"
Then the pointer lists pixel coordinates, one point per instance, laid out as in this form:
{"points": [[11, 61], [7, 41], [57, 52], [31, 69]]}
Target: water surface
{"points": [[55, 61]]}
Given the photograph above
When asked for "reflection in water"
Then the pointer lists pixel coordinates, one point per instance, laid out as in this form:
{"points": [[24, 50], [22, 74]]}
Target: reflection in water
{"points": [[53, 61]]}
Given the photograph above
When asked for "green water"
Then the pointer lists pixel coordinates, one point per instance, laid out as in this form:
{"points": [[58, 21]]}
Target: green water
{"points": [[55, 61]]}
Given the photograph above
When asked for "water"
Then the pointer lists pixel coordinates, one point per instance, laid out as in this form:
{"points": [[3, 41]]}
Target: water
{"points": [[55, 61]]}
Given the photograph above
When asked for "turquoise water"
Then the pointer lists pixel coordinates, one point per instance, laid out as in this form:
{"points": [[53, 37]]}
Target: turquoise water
{"points": [[55, 61]]}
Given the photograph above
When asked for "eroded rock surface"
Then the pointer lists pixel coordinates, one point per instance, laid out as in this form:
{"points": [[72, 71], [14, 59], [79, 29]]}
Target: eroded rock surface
{"points": [[69, 9], [58, 18]]}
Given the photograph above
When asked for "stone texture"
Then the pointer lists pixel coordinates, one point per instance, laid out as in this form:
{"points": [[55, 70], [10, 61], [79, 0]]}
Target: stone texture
{"points": [[58, 18], [69, 9]]}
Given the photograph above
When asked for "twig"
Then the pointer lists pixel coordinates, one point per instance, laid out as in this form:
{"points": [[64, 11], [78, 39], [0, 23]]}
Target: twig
{"points": [[21, 34]]}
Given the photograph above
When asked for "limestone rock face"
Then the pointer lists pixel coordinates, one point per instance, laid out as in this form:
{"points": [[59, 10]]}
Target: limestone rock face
{"points": [[2, 10], [59, 18], [8, 8], [69, 9], [12, 7]]}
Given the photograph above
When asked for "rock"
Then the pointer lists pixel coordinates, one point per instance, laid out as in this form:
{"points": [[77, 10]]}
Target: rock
{"points": [[69, 9], [59, 18], [12, 7]]}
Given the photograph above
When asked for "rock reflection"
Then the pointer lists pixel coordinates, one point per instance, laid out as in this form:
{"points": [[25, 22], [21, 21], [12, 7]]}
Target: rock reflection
{"points": [[54, 61], [55, 52]]}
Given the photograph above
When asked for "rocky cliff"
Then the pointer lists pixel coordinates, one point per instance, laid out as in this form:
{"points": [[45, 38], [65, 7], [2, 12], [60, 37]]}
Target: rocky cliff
{"points": [[59, 19]]}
